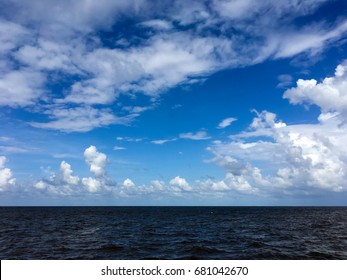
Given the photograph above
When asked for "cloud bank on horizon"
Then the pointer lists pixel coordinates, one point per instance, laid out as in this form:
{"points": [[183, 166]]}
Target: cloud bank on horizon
{"points": [[78, 66]]}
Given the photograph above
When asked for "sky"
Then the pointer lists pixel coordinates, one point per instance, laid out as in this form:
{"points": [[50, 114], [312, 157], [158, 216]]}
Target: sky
{"points": [[219, 102]]}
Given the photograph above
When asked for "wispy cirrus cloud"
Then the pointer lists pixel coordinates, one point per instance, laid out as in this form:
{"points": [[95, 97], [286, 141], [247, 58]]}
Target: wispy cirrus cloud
{"points": [[80, 119], [196, 136], [226, 122], [200, 135], [163, 141], [118, 148], [178, 43]]}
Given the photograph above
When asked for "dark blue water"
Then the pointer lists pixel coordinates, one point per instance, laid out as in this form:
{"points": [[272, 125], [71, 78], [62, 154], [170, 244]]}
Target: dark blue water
{"points": [[173, 233]]}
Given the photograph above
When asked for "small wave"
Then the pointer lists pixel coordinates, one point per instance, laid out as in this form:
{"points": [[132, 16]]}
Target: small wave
{"points": [[204, 250], [111, 248], [89, 231], [321, 256], [257, 244]]}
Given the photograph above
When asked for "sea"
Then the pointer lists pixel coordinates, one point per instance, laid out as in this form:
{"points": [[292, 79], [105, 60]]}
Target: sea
{"points": [[217, 233]]}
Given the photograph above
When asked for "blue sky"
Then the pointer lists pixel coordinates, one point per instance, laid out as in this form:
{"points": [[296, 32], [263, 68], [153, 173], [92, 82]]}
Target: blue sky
{"points": [[221, 102]]}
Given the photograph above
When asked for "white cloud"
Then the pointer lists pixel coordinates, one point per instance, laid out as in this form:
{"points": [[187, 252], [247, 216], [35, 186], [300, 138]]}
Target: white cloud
{"points": [[108, 71], [129, 189], [305, 157], [92, 184], [5, 139], [48, 55], [12, 149], [175, 58], [128, 183], [80, 119], [137, 109], [20, 88], [163, 141], [6, 177], [158, 24], [65, 156], [241, 183], [158, 185], [187, 13], [275, 27], [265, 120], [66, 172], [2, 161], [96, 160], [313, 39], [237, 9], [65, 183], [226, 122], [68, 51], [118, 148], [180, 184], [210, 185], [62, 183], [68, 16], [245, 9], [285, 80], [330, 94], [200, 135], [129, 139], [12, 35], [40, 185]]}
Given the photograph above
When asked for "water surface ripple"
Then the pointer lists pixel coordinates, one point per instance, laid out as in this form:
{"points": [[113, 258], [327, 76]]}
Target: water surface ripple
{"points": [[173, 233]]}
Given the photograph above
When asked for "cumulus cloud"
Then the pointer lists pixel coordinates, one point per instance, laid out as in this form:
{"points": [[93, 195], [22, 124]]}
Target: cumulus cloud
{"points": [[66, 172], [61, 183], [92, 184], [128, 183], [180, 184], [240, 176], [297, 157], [158, 185], [302, 157], [96, 160], [226, 122], [6, 177], [330, 94], [65, 183]]}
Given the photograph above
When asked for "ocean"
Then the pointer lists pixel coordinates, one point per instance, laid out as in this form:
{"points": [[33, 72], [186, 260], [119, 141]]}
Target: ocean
{"points": [[173, 233]]}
